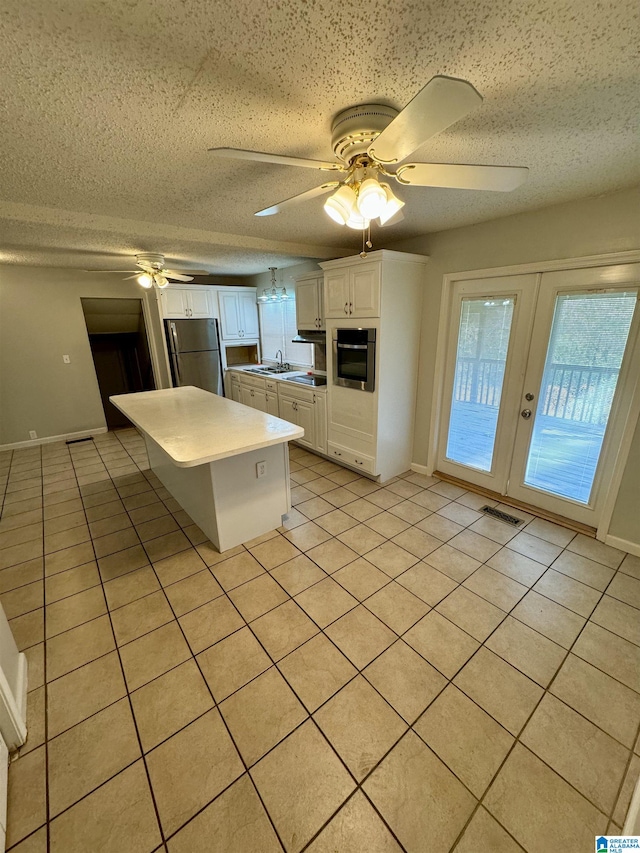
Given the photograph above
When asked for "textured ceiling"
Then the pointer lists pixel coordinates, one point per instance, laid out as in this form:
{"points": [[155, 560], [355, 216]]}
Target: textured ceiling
{"points": [[109, 107]]}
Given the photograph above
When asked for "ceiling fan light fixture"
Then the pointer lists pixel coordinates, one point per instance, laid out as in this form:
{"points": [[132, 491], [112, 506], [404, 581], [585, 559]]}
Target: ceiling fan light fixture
{"points": [[145, 280], [393, 205], [357, 222], [341, 205], [160, 280], [372, 199]]}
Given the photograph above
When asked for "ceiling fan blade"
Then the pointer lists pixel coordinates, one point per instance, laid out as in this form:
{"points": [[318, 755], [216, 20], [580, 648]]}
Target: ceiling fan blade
{"points": [[177, 275], [443, 101], [135, 275], [497, 178], [185, 272], [316, 191], [112, 272], [279, 159]]}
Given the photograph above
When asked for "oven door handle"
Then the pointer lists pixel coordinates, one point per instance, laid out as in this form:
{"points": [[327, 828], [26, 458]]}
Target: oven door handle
{"points": [[352, 346]]}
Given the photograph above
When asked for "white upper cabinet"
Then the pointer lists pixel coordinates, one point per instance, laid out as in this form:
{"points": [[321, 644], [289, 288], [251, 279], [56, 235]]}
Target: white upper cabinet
{"points": [[353, 291], [199, 302], [249, 314], [336, 293], [309, 302], [185, 302], [238, 314], [364, 284]]}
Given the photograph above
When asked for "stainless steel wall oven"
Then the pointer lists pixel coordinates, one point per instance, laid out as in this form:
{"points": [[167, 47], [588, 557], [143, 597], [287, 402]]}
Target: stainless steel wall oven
{"points": [[354, 358]]}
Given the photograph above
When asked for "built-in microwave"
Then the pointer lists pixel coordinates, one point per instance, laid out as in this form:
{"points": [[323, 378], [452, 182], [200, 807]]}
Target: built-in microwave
{"points": [[354, 358]]}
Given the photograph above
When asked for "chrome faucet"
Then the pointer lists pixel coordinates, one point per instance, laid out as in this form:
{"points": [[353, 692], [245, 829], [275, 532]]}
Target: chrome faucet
{"points": [[280, 362]]}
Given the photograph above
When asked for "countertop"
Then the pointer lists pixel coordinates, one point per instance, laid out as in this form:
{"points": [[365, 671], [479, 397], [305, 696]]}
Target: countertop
{"points": [[280, 377], [195, 427]]}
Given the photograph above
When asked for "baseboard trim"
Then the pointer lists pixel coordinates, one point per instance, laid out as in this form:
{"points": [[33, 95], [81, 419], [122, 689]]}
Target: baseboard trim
{"points": [[50, 439], [533, 510], [623, 545], [420, 469]]}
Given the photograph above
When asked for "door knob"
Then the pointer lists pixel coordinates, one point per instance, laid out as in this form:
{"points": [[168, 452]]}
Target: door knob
{"points": [[526, 414]]}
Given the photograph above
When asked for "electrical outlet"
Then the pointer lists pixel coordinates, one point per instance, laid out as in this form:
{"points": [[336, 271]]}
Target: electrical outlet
{"points": [[33, 433], [66, 359], [261, 469]]}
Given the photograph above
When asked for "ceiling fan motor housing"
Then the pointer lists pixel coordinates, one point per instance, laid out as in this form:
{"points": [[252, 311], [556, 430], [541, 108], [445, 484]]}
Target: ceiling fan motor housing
{"points": [[151, 259], [353, 130]]}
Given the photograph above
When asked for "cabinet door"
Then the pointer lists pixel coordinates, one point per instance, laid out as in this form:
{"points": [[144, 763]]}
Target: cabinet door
{"points": [[320, 406], [364, 299], [272, 404], [229, 315], [245, 396], [248, 311], [307, 308], [306, 413], [336, 293], [199, 302], [174, 303], [236, 393], [287, 410]]}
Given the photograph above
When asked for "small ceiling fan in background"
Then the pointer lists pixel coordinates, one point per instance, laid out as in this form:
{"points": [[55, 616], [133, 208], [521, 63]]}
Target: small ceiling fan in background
{"points": [[369, 141], [152, 271]]}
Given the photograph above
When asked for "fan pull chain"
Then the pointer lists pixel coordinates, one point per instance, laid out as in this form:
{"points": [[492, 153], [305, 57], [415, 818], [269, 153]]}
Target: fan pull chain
{"points": [[368, 244]]}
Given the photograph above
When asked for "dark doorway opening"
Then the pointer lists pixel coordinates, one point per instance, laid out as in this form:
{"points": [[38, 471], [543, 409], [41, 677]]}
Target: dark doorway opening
{"points": [[120, 349]]}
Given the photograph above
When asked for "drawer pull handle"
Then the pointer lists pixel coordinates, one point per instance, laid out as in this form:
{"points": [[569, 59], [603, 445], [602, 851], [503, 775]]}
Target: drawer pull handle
{"points": [[336, 453]]}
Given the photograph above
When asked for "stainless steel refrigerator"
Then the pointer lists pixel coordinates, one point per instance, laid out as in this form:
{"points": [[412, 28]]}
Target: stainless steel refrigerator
{"points": [[194, 354]]}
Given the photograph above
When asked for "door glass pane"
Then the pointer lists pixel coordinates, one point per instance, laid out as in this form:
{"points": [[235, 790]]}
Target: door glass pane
{"points": [[587, 342], [483, 341]]}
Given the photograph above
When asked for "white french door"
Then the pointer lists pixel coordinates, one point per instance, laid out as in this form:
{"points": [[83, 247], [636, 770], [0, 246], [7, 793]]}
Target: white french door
{"points": [[538, 381]]}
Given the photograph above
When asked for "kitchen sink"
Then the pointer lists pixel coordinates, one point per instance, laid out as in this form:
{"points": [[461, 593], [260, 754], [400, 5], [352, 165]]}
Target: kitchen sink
{"points": [[266, 371]]}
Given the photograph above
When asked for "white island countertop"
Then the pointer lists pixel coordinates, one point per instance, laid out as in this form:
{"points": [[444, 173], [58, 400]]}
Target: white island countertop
{"points": [[195, 427]]}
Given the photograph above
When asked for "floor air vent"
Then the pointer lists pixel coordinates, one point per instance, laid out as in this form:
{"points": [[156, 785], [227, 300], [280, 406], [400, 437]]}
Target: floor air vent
{"points": [[78, 440], [502, 516]]}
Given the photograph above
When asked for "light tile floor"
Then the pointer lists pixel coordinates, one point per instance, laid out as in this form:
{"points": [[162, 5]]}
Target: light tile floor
{"points": [[388, 671]]}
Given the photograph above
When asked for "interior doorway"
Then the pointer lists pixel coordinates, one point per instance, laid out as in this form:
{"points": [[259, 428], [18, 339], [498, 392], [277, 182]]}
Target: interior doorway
{"points": [[539, 378], [120, 349]]}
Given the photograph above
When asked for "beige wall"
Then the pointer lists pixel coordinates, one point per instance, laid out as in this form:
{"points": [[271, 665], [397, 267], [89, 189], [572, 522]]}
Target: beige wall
{"points": [[41, 320], [592, 226]]}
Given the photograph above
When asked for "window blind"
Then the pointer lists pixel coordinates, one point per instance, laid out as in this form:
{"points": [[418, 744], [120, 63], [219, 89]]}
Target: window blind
{"points": [[277, 329]]}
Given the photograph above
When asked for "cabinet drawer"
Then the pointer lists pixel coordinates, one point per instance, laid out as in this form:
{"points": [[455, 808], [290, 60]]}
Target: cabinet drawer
{"points": [[294, 391], [350, 457], [271, 386], [254, 382]]}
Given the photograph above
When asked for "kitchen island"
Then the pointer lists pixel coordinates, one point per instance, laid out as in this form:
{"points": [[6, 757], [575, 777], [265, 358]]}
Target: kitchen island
{"points": [[226, 464]]}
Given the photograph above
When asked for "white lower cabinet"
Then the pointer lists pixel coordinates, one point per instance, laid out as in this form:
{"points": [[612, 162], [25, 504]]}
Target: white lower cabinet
{"points": [[301, 406], [253, 397], [350, 457], [307, 409]]}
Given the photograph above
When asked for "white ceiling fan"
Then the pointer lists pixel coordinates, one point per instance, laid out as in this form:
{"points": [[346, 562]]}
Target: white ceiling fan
{"points": [[371, 140], [155, 272]]}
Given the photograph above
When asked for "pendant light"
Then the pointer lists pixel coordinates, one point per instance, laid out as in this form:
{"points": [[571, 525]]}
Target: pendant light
{"points": [[273, 293]]}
